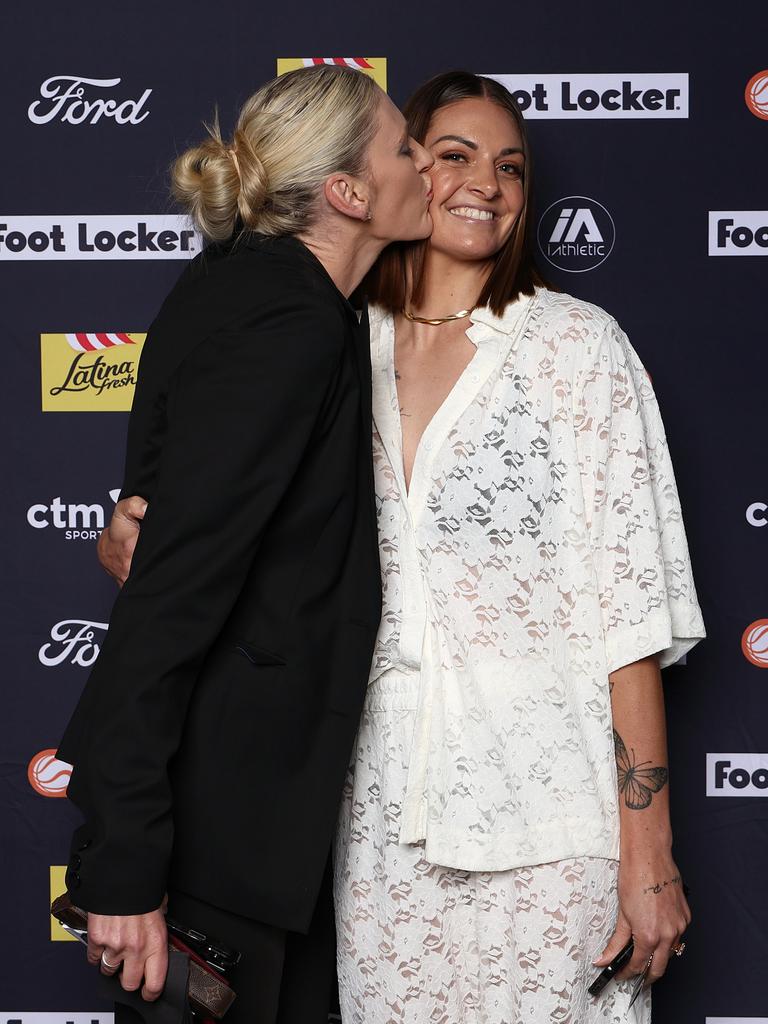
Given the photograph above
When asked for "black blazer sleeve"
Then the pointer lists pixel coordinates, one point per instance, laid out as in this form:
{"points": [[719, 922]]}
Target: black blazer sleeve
{"points": [[241, 409]]}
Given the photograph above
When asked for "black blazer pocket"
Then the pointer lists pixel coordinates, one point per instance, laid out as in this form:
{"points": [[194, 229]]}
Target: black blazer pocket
{"points": [[259, 655]]}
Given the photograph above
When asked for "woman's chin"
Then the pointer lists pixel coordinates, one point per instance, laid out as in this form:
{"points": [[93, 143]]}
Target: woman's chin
{"points": [[424, 231]]}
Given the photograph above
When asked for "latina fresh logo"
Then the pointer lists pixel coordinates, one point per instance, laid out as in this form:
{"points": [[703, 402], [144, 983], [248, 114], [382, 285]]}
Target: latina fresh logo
{"points": [[85, 372], [375, 67], [576, 234]]}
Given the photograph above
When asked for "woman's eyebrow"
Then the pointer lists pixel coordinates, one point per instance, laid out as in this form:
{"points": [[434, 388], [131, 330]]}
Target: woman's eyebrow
{"points": [[456, 138], [473, 145]]}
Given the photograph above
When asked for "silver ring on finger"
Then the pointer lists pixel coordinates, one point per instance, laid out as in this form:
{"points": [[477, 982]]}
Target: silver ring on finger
{"points": [[106, 963]]}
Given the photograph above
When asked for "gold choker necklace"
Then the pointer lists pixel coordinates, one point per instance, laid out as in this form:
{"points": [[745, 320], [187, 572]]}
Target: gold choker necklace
{"points": [[436, 321]]}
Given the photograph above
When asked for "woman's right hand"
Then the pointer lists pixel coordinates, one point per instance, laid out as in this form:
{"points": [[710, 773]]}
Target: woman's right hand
{"points": [[139, 942], [117, 542]]}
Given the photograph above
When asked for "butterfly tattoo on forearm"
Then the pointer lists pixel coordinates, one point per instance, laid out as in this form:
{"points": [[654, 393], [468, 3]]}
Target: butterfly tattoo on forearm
{"points": [[637, 784]]}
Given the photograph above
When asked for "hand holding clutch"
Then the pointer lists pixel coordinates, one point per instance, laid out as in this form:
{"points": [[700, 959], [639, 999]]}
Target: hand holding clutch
{"points": [[209, 993]]}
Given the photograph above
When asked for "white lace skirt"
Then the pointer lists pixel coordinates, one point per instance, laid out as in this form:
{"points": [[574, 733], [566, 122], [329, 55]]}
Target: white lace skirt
{"points": [[423, 944]]}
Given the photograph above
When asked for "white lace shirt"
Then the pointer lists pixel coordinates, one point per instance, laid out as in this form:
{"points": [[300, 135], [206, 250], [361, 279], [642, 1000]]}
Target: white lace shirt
{"points": [[541, 546]]}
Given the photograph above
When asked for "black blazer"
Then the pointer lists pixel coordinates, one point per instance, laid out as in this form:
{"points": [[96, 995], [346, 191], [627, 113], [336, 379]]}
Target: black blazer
{"points": [[211, 741]]}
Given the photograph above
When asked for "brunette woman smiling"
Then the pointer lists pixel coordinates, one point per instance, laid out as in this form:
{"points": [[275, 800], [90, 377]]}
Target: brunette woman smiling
{"points": [[506, 817]]}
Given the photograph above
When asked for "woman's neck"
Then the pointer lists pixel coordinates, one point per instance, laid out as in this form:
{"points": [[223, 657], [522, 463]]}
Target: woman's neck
{"points": [[449, 285], [346, 255]]}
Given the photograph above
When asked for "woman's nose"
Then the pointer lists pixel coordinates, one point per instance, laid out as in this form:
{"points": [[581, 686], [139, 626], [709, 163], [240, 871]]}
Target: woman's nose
{"points": [[422, 157], [485, 182]]}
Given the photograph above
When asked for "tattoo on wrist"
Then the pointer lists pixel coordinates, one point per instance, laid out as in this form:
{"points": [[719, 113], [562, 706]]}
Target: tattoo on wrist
{"points": [[660, 886], [637, 783]]}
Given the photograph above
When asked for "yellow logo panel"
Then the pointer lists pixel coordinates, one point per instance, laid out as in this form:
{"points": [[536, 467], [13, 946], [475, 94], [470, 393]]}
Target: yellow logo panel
{"points": [[89, 372], [376, 67], [58, 871]]}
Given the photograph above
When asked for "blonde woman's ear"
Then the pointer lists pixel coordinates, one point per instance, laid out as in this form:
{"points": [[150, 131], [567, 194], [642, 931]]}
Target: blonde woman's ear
{"points": [[349, 196]]}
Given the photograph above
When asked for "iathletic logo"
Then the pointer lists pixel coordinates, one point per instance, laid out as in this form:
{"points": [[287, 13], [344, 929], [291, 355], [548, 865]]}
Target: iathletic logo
{"points": [[576, 234]]}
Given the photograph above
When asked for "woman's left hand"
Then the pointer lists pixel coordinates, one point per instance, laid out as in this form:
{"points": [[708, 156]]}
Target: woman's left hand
{"points": [[117, 542], [653, 909]]}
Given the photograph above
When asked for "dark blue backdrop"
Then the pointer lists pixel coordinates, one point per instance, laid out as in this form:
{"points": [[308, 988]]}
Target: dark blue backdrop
{"points": [[694, 311]]}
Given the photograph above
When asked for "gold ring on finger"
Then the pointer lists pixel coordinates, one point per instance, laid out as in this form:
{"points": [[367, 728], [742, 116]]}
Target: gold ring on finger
{"points": [[679, 949]]}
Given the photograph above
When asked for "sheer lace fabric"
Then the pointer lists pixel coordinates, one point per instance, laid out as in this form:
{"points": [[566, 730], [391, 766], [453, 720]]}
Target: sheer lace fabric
{"points": [[423, 944], [539, 547]]}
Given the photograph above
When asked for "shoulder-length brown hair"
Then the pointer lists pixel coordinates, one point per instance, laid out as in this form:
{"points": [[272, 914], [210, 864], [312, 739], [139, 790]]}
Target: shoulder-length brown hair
{"points": [[514, 272]]}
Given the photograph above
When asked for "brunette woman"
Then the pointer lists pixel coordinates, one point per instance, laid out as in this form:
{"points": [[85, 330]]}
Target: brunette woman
{"points": [[506, 818]]}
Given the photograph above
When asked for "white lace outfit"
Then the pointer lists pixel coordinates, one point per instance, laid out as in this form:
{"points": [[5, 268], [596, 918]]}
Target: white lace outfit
{"points": [[540, 547]]}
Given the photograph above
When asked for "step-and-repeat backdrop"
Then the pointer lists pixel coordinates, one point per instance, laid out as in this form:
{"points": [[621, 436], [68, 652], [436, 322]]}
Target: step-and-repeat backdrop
{"points": [[650, 129]]}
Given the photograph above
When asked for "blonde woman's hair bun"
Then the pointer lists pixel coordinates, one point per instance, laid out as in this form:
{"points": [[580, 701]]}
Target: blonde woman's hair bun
{"points": [[218, 183], [252, 177]]}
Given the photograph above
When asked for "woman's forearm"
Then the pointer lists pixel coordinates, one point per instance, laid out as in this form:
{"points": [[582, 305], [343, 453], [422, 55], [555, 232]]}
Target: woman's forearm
{"points": [[652, 905], [640, 738]]}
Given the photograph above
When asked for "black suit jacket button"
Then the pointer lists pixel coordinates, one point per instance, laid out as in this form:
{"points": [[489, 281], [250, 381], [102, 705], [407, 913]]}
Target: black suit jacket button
{"points": [[85, 844], [74, 880], [76, 861]]}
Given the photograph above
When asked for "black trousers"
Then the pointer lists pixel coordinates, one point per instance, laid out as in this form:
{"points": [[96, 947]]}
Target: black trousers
{"points": [[283, 977]]}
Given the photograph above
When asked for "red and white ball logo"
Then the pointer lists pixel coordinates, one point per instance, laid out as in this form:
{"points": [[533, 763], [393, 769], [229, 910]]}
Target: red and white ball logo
{"points": [[47, 775], [754, 643], [756, 94]]}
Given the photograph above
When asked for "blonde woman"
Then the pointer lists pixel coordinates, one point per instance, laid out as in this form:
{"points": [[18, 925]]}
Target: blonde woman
{"points": [[210, 744]]}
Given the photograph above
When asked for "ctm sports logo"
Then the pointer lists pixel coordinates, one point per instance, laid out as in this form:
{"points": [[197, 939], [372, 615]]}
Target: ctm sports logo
{"points": [[89, 372], [71, 520], [376, 67]]}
